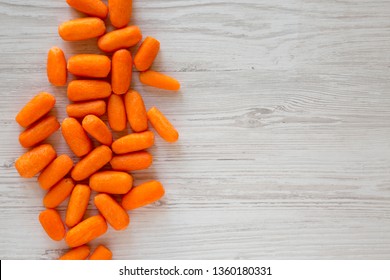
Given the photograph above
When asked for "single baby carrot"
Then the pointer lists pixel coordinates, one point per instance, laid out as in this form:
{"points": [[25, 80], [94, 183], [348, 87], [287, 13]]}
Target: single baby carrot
{"points": [[56, 67], [37, 107], [57, 194], [120, 12], [116, 113], [81, 29], [101, 253], [39, 131], [122, 65], [91, 163], [114, 214], [55, 171], [132, 161], [83, 90], [33, 161], [136, 112], [79, 253], [159, 80], [81, 109], [113, 182], [94, 8], [86, 231], [52, 224], [78, 203], [162, 125], [89, 65], [133, 142], [97, 129], [146, 54], [142, 195], [120, 39], [75, 136]]}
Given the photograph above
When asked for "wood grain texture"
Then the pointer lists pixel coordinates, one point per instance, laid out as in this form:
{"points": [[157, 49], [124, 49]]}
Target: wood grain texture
{"points": [[284, 118]]}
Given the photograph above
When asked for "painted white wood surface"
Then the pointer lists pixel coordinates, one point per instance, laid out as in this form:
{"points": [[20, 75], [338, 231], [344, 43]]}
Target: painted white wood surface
{"points": [[284, 116]]}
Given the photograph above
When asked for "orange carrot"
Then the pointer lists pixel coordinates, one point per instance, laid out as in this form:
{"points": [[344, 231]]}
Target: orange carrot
{"points": [[163, 127], [120, 39], [55, 171], [81, 109], [39, 131], [82, 29], [56, 67], [132, 161], [79, 253], [146, 54], [91, 163], [33, 161], [101, 253], [86, 231], [122, 65], [89, 65], [78, 203], [37, 107], [94, 8], [97, 129], [82, 90], [136, 112], [57, 194], [142, 195], [52, 224], [114, 214], [75, 136], [120, 12], [116, 113], [113, 182], [133, 142], [158, 80]]}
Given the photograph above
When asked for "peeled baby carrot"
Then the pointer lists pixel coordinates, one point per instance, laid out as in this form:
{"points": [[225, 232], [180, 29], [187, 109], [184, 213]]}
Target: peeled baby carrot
{"points": [[116, 113], [133, 142], [136, 112], [146, 53], [101, 253], [81, 29], [89, 65], [122, 65], [37, 107], [120, 12], [75, 136], [142, 195], [94, 8], [39, 131], [86, 231], [33, 161], [79, 253], [52, 224], [56, 67], [81, 109], [120, 39], [55, 171], [82, 90], [97, 129], [132, 161], [57, 194], [159, 80], [91, 163], [163, 127], [78, 203], [114, 214], [113, 182]]}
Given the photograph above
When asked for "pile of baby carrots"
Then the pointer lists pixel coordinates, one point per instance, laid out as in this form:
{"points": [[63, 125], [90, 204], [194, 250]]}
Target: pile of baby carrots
{"points": [[94, 95]]}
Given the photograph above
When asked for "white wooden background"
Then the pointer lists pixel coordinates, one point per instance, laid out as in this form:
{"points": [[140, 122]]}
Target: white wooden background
{"points": [[284, 118]]}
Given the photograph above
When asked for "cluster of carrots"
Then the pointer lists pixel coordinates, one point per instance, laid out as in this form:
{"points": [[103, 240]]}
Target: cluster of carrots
{"points": [[89, 96]]}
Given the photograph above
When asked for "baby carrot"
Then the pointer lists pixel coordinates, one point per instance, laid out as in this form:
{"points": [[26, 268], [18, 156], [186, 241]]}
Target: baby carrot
{"points": [[120, 12], [56, 67], [79, 253], [122, 65], [89, 65], [52, 224], [163, 127], [114, 214], [75, 136], [33, 161], [159, 80], [94, 8], [39, 131], [142, 195], [78, 203], [37, 107], [136, 112], [113, 182], [132, 161], [55, 171], [101, 253], [81, 29], [57, 194], [86, 231], [120, 39], [97, 129], [82, 90], [91, 163], [81, 109], [116, 113], [133, 142], [146, 54]]}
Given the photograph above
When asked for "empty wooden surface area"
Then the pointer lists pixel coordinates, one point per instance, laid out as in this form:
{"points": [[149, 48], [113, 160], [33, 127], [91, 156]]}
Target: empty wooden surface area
{"points": [[284, 120]]}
